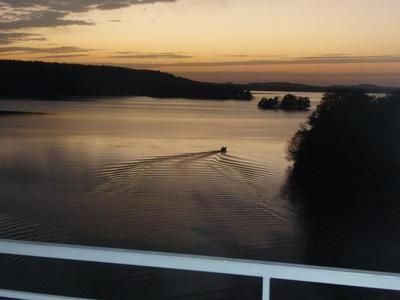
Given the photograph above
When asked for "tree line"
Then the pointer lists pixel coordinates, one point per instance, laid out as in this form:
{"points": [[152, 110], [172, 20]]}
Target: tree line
{"points": [[30, 79]]}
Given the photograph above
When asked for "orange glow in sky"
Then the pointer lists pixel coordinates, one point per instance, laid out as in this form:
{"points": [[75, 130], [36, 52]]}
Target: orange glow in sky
{"points": [[308, 41]]}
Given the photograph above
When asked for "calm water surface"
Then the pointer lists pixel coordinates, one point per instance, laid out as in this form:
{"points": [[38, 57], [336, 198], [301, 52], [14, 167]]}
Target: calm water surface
{"points": [[144, 173]]}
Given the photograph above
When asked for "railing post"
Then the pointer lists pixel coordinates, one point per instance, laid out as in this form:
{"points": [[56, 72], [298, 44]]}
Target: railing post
{"points": [[266, 288]]}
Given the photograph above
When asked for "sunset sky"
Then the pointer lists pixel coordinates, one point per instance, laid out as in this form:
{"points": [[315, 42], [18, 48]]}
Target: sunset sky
{"points": [[306, 41]]}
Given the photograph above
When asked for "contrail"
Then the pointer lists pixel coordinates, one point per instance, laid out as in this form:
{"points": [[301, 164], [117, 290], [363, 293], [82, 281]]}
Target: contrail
{"points": [[155, 18]]}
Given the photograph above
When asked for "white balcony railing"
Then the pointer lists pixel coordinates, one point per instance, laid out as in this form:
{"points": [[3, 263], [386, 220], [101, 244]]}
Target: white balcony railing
{"points": [[264, 270]]}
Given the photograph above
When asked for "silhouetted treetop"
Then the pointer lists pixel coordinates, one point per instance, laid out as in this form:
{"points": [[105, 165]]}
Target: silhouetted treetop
{"points": [[25, 79], [350, 144]]}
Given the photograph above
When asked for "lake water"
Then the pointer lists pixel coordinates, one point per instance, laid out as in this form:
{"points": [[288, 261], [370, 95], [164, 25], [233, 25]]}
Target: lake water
{"points": [[144, 173]]}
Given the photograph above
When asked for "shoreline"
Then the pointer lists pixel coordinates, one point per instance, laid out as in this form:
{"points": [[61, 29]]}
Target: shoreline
{"points": [[4, 113]]}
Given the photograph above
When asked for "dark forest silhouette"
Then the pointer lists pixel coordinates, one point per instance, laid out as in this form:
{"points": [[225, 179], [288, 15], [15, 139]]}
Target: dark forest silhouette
{"points": [[345, 181], [26, 79], [289, 102]]}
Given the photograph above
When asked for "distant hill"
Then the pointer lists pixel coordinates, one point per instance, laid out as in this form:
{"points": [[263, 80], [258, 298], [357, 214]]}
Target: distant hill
{"points": [[296, 87], [283, 86], [31, 79], [369, 88]]}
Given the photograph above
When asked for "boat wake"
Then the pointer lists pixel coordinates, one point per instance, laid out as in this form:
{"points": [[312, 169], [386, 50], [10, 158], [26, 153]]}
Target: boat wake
{"points": [[206, 198]]}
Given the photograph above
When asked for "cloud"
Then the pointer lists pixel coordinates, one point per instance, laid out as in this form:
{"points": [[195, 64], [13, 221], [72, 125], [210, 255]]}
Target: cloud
{"points": [[63, 56], [247, 56], [50, 50], [344, 58], [235, 55], [17, 14], [37, 19], [76, 5], [339, 59], [11, 37], [165, 55]]}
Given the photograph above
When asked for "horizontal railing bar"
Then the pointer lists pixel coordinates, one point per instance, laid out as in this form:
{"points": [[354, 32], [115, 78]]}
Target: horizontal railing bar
{"points": [[33, 296], [358, 278]]}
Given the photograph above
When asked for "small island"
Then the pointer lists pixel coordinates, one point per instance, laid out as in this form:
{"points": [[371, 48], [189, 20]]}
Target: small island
{"points": [[289, 103]]}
